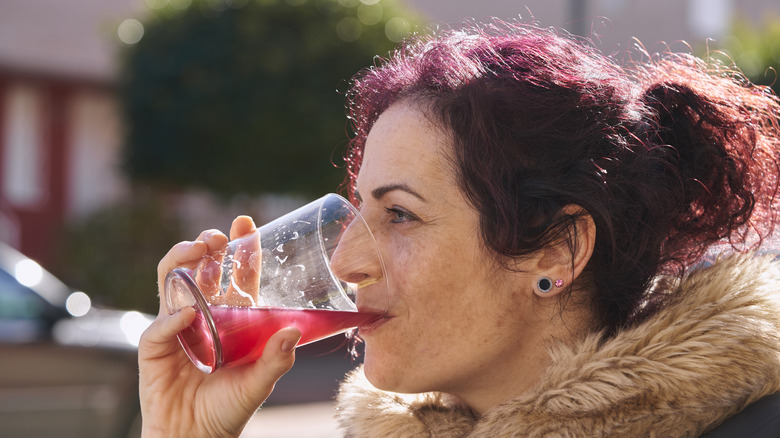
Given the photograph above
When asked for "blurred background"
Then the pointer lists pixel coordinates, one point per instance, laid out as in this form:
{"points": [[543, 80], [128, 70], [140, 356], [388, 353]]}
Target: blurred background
{"points": [[129, 125]]}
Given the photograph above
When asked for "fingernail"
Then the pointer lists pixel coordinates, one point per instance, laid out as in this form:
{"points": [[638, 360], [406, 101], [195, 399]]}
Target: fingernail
{"points": [[289, 345]]}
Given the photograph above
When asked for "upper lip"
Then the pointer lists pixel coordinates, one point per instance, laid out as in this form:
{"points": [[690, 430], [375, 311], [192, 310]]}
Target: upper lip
{"points": [[384, 315], [370, 325], [371, 309]]}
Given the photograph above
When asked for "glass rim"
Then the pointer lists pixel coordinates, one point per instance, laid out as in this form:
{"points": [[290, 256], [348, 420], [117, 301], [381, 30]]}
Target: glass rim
{"points": [[374, 244]]}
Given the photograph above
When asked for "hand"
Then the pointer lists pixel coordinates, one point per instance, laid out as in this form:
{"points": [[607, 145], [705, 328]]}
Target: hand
{"points": [[179, 400], [243, 288]]}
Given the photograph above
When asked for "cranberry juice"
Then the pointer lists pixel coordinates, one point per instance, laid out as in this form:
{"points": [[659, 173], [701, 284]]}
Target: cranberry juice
{"points": [[244, 331]]}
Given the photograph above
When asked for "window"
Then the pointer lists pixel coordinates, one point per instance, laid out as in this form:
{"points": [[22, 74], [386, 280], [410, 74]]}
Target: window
{"points": [[23, 172], [709, 18]]}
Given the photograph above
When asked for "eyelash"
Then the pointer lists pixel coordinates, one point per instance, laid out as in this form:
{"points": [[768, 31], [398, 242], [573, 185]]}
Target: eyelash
{"points": [[400, 215]]}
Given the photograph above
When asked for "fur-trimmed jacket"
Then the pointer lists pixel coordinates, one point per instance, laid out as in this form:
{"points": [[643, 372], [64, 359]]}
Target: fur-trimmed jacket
{"points": [[681, 373]]}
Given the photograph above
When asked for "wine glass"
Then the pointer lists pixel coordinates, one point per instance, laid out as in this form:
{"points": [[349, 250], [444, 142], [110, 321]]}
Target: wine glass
{"points": [[317, 268]]}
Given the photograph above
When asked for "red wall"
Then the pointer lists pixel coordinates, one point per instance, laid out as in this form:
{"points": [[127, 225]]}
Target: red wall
{"points": [[42, 223]]}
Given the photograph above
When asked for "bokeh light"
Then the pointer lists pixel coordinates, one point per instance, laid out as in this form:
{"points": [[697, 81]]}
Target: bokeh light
{"points": [[397, 29], [130, 31], [328, 6], [180, 4], [78, 304], [349, 29], [156, 4], [370, 14], [133, 325], [28, 273]]}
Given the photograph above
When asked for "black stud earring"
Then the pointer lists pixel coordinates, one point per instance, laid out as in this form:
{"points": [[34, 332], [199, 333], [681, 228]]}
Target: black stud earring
{"points": [[544, 284]]}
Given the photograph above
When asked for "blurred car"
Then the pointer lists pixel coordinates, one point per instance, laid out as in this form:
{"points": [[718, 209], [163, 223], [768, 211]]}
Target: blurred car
{"points": [[67, 368]]}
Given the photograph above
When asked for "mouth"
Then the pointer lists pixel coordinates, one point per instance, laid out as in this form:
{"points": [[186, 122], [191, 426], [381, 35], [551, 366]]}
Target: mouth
{"points": [[367, 328]]}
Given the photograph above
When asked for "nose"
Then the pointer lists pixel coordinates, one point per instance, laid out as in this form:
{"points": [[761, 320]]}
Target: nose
{"points": [[356, 258]]}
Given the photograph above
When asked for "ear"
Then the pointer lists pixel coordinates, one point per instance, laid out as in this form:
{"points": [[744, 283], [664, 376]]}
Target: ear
{"points": [[560, 264]]}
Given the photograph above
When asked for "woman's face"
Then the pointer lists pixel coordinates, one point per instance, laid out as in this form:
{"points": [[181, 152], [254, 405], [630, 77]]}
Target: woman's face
{"points": [[456, 320]]}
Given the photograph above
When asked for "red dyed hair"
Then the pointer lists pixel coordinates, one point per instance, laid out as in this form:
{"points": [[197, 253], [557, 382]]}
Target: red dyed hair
{"points": [[668, 156]]}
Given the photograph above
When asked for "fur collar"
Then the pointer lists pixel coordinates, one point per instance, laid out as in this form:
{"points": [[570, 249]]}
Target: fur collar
{"points": [[679, 374]]}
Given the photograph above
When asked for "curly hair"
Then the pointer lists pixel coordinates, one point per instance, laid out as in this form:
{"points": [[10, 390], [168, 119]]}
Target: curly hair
{"points": [[669, 155]]}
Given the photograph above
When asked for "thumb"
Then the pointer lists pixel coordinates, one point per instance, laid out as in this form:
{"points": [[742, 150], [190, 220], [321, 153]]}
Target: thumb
{"points": [[278, 357], [279, 353]]}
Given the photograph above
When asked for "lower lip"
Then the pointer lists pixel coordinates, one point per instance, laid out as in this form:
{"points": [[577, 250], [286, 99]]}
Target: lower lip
{"points": [[368, 328]]}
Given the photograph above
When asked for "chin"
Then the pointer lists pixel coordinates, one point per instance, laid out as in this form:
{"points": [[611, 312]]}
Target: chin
{"points": [[389, 376], [380, 372]]}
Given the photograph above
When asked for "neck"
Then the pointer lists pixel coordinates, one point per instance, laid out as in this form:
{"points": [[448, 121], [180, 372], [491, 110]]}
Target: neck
{"points": [[503, 383], [524, 365]]}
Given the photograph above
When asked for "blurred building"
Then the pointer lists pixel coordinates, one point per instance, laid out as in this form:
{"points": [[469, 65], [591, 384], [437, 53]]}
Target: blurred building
{"points": [[61, 134], [613, 23]]}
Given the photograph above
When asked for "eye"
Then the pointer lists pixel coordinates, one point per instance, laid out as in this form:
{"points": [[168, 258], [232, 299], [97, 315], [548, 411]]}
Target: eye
{"points": [[399, 215]]}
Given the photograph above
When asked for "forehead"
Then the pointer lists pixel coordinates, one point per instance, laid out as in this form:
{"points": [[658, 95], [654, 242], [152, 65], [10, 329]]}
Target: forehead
{"points": [[405, 145]]}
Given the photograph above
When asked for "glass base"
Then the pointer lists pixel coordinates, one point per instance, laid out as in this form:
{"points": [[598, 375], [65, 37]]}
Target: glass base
{"points": [[200, 340]]}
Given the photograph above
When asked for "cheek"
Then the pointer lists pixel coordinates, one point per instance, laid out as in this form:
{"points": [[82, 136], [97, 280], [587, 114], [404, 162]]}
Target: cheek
{"points": [[435, 287], [441, 315], [400, 261]]}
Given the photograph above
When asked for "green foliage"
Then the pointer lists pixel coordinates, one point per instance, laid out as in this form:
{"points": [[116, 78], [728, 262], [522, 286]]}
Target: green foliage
{"points": [[241, 96], [113, 254], [755, 50]]}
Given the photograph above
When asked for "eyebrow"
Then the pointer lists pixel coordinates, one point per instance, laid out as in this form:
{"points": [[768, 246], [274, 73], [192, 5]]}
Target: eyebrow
{"points": [[379, 192]]}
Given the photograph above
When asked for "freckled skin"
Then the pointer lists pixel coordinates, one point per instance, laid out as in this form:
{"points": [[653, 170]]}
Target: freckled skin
{"points": [[460, 324]]}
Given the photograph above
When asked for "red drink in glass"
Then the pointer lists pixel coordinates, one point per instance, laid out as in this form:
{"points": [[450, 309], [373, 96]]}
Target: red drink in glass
{"points": [[244, 331]]}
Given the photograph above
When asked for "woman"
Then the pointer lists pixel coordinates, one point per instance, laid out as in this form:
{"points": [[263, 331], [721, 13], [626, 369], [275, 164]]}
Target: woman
{"points": [[544, 216]]}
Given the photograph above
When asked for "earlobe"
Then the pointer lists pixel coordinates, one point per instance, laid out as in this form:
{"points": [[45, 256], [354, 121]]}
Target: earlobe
{"points": [[544, 285], [562, 263]]}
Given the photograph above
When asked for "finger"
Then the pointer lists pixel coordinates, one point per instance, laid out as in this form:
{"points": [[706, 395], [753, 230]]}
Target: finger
{"points": [[159, 339], [214, 239], [242, 225], [183, 254], [209, 271], [277, 359], [246, 263], [247, 259]]}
